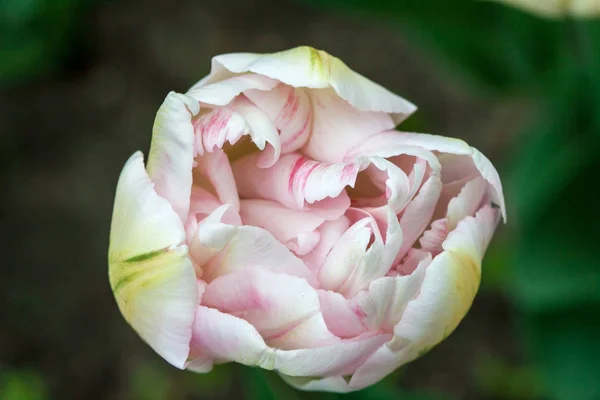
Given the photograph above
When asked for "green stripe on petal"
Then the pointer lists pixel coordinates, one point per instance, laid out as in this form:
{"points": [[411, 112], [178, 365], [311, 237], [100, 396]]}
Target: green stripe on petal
{"points": [[151, 276]]}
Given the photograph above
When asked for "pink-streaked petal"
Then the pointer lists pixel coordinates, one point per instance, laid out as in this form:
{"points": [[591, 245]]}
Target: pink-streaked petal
{"points": [[298, 183], [262, 131], [412, 261], [290, 109], [387, 178], [391, 144], [171, 154], [225, 249], [296, 229], [223, 92], [216, 169], [379, 256], [342, 316], [464, 204], [329, 234], [418, 213], [150, 273], [275, 304], [308, 67], [433, 238], [384, 302], [217, 127], [467, 202], [333, 118]]}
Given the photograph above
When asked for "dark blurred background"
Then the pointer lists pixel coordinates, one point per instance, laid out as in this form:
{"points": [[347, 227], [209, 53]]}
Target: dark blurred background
{"points": [[81, 81]]}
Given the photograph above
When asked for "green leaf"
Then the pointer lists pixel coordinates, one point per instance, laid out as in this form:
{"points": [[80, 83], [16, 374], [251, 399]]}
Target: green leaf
{"points": [[568, 352]]}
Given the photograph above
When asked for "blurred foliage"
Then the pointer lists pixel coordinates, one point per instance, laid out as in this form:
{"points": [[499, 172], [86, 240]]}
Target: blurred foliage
{"points": [[156, 381], [22, 385], [495, 378], [36, 36], [263, 385]]}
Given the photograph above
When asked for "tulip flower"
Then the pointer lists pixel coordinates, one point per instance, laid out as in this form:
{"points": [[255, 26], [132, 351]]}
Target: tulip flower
{"points": [[282, 222], [558, 8]]}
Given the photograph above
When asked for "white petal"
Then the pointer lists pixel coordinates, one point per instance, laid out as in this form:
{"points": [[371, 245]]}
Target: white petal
{"points": [[150, 274], [308, 67], [171, 154], [385, 300], [222, 92], [467, 202], [228, 338]]}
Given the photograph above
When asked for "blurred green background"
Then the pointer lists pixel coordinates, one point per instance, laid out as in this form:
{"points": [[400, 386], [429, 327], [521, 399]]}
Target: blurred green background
{"points": [[80, 83]]}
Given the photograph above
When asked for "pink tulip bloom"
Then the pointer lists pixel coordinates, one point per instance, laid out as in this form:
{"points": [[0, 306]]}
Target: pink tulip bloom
{"points": [[282, 222]]}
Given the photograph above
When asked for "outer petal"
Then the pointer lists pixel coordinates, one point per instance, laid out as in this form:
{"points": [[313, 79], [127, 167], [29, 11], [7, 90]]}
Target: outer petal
{"points": [[150, 274], [222, 92], [228, 338], [172, 151], [450, 284], [467, 202], [308, 67], [375, 368]]}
